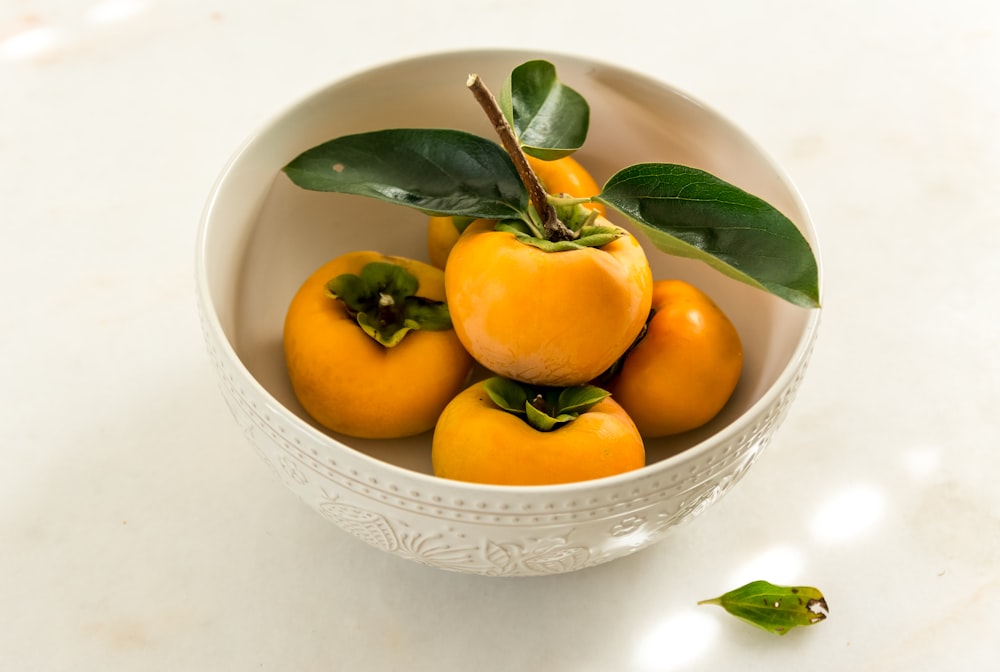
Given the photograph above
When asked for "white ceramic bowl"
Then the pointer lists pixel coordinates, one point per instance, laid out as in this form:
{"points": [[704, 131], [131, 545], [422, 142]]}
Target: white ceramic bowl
{"points": [[260, 236]]}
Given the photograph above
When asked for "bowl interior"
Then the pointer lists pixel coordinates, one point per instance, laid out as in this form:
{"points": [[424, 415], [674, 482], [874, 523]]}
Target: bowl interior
{"points": [[263, 236]]}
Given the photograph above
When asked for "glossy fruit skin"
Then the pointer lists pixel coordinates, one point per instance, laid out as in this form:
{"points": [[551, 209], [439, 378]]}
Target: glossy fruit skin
{"points": [[349, 383], [685, 368], [546, 318], [562, 176], [476, 441]]}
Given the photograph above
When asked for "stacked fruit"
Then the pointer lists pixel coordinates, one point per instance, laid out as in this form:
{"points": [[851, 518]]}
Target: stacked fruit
{"points": [[585, 354]]}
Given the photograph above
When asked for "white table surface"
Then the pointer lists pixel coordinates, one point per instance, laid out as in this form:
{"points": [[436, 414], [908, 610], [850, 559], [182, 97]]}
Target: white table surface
{"points": [[138, 531]]}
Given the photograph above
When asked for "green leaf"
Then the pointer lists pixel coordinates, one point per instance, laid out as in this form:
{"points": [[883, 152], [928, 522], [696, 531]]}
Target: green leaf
{"points": [[436, 171], [549, 118], [776, 609], [690, 213]]}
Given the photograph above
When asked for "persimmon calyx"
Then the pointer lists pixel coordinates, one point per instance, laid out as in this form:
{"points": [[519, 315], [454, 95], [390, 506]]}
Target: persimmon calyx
{"points": [[382, 298], [544, 408], [585, 225]]}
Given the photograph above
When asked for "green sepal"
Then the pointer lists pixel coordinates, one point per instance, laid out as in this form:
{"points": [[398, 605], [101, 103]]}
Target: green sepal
{"points": [[387, 337], [580, 398], [519, 227], [544, 408], [508, 394], [382, 298], [572, 211], [597, 236], [544, 422], [776, 609], [589, 236]]}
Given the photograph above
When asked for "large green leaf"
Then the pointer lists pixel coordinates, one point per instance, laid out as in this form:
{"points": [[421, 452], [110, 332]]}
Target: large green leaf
{"points": [[437, 171], [549, 118], [690, 213]]}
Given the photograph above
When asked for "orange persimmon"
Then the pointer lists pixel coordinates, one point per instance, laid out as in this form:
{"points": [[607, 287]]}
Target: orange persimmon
{"points": [[685, 368], [478, 440], [543, 317], [369, 348]]}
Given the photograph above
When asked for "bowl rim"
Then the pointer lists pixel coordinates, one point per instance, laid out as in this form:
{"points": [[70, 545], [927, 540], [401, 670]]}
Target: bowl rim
{"points": [[211, 321]]}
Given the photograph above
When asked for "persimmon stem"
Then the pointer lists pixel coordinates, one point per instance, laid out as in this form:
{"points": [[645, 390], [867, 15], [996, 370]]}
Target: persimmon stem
{"points": [[555, 230]]}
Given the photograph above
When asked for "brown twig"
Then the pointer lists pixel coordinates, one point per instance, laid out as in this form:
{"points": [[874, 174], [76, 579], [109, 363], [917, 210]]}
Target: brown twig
{"points": [[555, 230]]}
